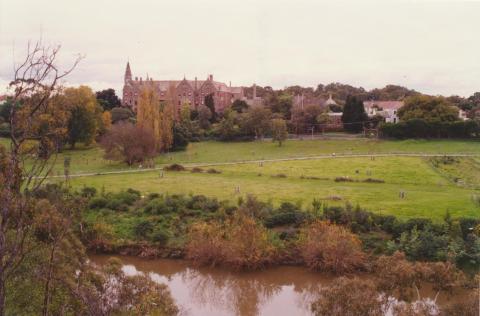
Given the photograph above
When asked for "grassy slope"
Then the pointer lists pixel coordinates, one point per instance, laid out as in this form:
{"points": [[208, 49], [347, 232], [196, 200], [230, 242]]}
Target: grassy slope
{"points": [[90, 159], [428, 193]]}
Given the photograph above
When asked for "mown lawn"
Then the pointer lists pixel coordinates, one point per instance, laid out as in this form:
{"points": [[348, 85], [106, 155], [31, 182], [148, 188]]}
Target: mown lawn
{"points": [[428, 193]]}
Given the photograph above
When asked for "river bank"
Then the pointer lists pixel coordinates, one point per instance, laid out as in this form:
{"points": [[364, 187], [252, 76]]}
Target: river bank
{"points": [[279, 290]]}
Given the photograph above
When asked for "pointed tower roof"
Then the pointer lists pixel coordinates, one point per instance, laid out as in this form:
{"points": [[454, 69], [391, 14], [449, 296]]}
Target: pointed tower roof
{"points": [[128, 72]]}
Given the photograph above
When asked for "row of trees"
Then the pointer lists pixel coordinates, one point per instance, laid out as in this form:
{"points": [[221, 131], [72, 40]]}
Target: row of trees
{"points": [[75, 111]]}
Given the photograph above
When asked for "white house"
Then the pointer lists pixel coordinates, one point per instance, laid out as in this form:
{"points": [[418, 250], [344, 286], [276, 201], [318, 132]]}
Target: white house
{"points": [[387, 109], [462, 115]]}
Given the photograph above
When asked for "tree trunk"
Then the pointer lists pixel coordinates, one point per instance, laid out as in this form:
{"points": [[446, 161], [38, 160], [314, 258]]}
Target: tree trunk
{"points": [[46, 297]]}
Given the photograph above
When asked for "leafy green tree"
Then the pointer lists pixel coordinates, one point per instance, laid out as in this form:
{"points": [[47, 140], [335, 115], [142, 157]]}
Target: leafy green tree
{"points": [[281, 103], [228, 129], [428, 108], [391, 92], [279, 131], [107, 99], [354, 115], [82, 126], [258, 119], [84, 115]]}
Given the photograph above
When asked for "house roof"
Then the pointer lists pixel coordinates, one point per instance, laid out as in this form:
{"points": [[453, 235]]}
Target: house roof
{"points": [[386, 105], [164, 85]]}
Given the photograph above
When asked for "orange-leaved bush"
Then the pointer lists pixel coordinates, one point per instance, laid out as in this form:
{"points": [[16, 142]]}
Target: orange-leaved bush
{"points": [[240, 242], [329, 247]]}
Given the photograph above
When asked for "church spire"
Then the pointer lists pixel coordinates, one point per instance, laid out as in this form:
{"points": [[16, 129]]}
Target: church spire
{"points": [[128, 73]]}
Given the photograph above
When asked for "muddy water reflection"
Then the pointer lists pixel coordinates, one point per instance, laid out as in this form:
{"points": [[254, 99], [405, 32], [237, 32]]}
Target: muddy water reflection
{"points": [[212, 291]]}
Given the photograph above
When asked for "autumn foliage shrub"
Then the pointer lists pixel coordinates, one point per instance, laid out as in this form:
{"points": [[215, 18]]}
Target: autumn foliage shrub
{"points": [[328, 247], [240, 242]]}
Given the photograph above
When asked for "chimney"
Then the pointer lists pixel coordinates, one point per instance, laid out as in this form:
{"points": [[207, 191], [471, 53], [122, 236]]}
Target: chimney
{"points": [[195, 83], [136, 78], [210, 77], [254, 91]]}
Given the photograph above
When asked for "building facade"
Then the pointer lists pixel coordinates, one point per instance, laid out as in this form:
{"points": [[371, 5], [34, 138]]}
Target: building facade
{"points": [[386, 109], [179, 92]]}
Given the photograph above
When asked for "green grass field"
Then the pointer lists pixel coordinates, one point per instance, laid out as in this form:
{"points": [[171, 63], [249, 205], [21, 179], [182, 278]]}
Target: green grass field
{"points": [[84, 160], [428, 194], [430, 189]]}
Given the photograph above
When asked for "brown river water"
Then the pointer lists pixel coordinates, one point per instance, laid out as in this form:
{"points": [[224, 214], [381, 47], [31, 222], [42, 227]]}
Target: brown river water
{"points": [[283, 290]]}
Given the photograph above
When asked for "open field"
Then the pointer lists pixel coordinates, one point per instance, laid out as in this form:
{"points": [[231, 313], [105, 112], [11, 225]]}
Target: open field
{"points": [[85, 160], [431, 189], [428, 194]]}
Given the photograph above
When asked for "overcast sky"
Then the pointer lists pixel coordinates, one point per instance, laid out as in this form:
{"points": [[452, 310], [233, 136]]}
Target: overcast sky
{"points": [[431, 46]]}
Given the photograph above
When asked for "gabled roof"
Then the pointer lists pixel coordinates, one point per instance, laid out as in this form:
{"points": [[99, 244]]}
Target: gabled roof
{"points": [[164, 85]]}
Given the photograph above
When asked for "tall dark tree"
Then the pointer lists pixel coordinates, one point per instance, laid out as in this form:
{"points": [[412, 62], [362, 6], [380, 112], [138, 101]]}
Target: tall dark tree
{"points": [[108, 99], [210, 103], [354, 115]]}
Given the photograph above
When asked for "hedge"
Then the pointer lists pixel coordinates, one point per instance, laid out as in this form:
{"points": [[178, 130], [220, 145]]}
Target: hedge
{"points": [[418, 128]]}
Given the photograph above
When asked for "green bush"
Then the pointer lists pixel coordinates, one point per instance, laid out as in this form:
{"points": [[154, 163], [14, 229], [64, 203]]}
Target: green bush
{"points": [[117, 205], [201, 202], [98, 202], [143, 229], [160, 236], [418, 128], [126, 197], [285, 218], [156, 206]]}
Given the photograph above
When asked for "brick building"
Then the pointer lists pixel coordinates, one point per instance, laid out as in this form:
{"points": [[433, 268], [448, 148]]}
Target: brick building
{"points": [[180, 92]]}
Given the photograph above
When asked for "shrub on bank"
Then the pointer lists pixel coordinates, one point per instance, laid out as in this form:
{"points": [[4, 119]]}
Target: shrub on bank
{"points": [[332, 248], [240, 243]]}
